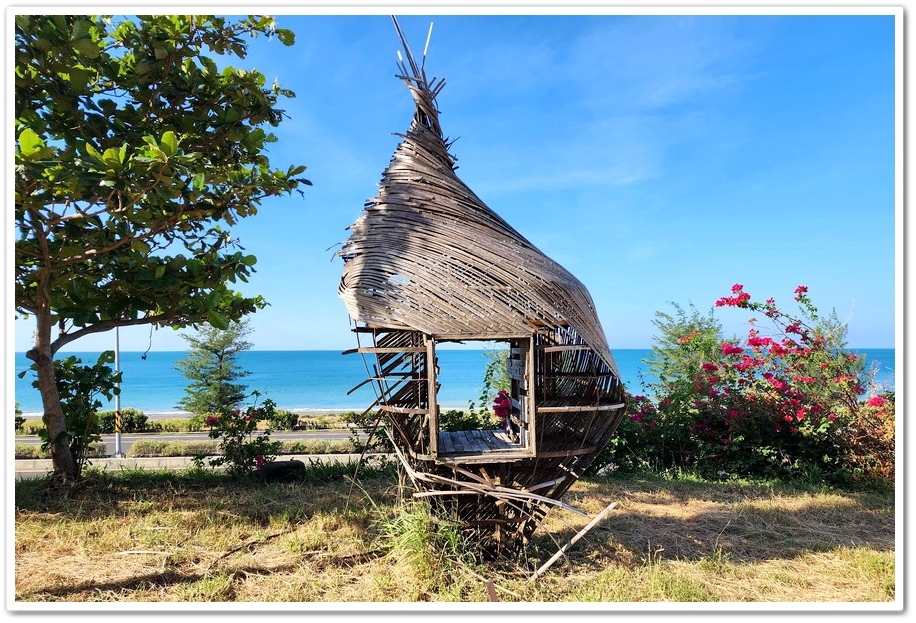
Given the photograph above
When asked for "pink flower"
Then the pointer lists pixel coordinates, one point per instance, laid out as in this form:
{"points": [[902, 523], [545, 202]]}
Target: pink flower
{"points": [[875, 401], [831, 416], [801, 289], [211, 420], [734, 301], [710, 367], [737, 288], [731, 349], [757, 342], [260, 461]]}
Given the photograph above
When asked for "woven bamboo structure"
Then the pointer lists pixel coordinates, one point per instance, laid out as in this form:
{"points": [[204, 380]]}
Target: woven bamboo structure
{"points": [[427, 262]]}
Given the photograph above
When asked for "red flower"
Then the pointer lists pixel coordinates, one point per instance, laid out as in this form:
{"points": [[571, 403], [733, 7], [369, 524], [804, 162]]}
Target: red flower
{"points": [[211, 420], [502, 405], [875, 401], [730, 349]]}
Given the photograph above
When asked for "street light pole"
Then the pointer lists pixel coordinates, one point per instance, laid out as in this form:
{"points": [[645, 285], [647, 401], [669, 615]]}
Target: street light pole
{"points": [[118, 423]]}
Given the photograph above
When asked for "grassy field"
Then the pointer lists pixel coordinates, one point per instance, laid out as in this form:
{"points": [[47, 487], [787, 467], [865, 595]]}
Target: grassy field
{"points": [[197, 536]]}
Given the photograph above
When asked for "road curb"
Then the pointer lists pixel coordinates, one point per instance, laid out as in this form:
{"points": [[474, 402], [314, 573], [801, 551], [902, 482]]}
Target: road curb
{"points": [[176, 462]]}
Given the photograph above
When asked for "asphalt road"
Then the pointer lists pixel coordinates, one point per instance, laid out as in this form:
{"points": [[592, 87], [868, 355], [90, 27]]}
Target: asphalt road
{"points": [[28, 468], [128, 439]]}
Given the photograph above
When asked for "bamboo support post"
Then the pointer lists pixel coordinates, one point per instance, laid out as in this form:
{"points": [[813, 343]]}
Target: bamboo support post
{"points": [[594, 522]]}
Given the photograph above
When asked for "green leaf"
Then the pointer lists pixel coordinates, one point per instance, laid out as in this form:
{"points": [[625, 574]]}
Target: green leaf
{"points": [[30, 142], [249, 260], [286, 37], [93, 152], [87, 47], [79, 79], [139, 245], [218, 320], [80, 29], [198, 181], [112, 157], [169, 143]]}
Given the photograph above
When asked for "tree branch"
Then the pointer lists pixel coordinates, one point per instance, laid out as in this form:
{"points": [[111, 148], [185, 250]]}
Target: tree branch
{"points": [[107, 325]]}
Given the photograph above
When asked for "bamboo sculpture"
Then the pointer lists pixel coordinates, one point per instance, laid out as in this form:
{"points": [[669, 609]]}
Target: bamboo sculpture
{"points": [[428, 262]]}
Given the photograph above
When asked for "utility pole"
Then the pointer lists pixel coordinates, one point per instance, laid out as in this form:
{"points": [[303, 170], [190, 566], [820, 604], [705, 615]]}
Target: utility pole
{"points": [[118, 454]]}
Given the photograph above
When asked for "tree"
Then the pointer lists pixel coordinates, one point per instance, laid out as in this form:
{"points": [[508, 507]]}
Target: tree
{"points": [[212, 367], [133, 151]]}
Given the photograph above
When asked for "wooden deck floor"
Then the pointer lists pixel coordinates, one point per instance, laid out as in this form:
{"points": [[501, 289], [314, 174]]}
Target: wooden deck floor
{"points": [[475, 442]]}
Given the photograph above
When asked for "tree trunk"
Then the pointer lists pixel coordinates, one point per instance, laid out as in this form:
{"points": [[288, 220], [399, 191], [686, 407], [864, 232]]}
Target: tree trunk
{"points": [[65, 465]]}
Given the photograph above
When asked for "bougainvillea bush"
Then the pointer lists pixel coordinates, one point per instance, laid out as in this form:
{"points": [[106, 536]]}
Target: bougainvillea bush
{"points": [[787, 400], [243, 446]]}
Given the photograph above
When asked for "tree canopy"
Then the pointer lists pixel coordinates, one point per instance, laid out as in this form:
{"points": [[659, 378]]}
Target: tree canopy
{"points": [[135, 152]]}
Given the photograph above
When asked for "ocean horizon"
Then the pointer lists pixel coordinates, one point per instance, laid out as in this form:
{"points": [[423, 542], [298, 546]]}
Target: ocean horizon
{"points": [[322, 380]]}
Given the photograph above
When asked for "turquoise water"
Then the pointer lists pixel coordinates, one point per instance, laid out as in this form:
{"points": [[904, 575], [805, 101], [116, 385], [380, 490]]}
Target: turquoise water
{"points": [[320, 379]]}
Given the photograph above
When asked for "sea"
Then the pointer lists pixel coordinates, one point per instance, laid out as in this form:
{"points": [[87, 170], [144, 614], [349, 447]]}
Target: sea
{"points": [[324, 380]]}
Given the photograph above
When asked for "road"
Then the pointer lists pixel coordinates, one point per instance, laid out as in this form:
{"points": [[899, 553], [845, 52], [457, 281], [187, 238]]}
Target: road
{"points": [[27, 468], [128, 439]]}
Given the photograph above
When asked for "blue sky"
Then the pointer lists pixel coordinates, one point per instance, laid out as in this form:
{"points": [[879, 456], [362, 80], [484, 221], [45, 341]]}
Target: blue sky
{"points": [[659, 158]]}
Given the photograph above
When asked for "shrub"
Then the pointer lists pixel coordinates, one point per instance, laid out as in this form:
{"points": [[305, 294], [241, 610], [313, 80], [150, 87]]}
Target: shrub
{"points": [[155, 447], [242, 445], [869, 436], [340, 446], [790, 404], [454, 420], [35, 451], [31, 426], [132, 421], [283, 419], [79, 387], [30, 451]]}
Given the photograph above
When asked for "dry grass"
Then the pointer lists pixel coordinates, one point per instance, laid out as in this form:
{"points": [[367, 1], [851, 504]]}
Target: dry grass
{"points": [[180, 537]]}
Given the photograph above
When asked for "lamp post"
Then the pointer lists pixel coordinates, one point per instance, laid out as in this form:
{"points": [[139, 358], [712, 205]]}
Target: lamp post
{"points": [[118, 424]]}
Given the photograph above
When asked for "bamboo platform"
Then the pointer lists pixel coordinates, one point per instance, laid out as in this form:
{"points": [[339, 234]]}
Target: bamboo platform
{"points": [[475, 442]]}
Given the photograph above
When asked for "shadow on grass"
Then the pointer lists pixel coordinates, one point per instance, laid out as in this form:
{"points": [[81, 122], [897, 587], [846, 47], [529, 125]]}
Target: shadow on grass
{"points": [[741, 523]]}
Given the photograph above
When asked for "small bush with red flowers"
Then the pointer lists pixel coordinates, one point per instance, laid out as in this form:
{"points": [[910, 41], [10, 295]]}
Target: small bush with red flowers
{"points": [[789, 403], [243, 445]]}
